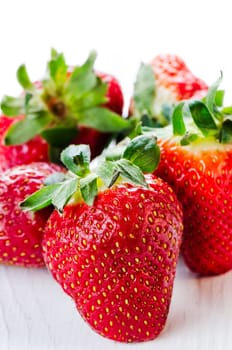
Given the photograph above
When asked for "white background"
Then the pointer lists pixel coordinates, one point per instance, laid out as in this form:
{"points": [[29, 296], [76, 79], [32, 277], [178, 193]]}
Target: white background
{"points": [[34, 312], [124, 32]]}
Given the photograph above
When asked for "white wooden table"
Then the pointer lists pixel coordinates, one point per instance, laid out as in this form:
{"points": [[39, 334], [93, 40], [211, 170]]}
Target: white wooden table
{"points": [[36, 314]]}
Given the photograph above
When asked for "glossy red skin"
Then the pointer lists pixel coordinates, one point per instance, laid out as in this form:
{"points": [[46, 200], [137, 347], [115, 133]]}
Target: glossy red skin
{"points": [[203, 184], [20, 231], [172, 73], [114, 92], [95, 139], [117, 258], [34, 150]]}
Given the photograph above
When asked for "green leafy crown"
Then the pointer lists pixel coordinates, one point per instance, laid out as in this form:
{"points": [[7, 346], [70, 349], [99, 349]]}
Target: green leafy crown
{"points": [[81, 183], [194, 120], [146, 107], [63, 100]]}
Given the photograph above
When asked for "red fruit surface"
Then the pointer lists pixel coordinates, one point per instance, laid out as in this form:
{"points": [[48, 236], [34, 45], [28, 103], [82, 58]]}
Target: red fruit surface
{"points": [[117, 259], [202, 180], [21, 232], [34, 150], [172, 73], [114, 92]]}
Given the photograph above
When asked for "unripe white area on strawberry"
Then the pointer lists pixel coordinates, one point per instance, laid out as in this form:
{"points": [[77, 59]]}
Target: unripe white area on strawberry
{"points": [[162, 95], [204, 145]]}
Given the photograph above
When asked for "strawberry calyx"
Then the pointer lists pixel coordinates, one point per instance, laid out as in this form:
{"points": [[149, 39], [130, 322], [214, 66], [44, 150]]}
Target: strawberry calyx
{"points": [[197, 120], [64, 100], [159, 85], [145, 99], [83, 181]]}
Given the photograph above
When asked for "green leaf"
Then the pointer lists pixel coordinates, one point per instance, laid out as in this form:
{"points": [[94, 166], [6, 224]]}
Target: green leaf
{"points": [[13, 106], [130, 172], [63, 193], [144, 152], [103, 119], [219, 98], [144, 90], [55, 178], [23, 78], [54, 53], [166, 112], [59, 136], [26, 129], [188, 139], [178, 119], [212, 93], [92, 98], [227, 110], [146, 120], [135, 129], [114, 153], [88, 188], [105, 171], [57, 68], [39, 199], [76, 158], [27, 100], [160, 133], [202, 118], [226, 132], [82, 78]]}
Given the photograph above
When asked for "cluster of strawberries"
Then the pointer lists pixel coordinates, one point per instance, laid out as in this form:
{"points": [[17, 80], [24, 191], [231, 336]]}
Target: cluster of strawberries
{"points": [[108, 202]]}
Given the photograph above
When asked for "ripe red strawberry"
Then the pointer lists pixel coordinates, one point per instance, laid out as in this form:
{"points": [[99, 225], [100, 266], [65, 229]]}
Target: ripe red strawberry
{"points": [[116, 256], [68, 106], [202, 178], [33, 150], [197, 164], [21, 232], [159, 85], [173, 75]]}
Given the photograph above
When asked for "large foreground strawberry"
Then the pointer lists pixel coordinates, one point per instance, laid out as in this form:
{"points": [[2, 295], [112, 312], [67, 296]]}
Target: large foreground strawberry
{"points": [[197, 163], [116, 254], [162, 83], [68, 106], [21, 232]]}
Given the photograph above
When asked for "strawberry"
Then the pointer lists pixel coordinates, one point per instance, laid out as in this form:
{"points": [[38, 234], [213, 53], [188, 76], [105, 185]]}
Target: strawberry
{"points": [[160, 84], [196, 162], [173, 75], [68, 106], [115, 252], [21, 232], [33, 150]]}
